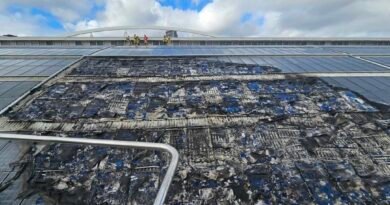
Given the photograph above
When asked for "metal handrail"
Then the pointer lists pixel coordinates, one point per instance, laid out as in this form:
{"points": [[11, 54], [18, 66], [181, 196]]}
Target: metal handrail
{"points": [[163, 191]]}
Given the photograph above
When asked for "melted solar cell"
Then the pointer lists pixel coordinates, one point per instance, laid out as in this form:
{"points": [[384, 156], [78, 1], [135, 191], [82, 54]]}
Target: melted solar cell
{"points": [[290, 141]]}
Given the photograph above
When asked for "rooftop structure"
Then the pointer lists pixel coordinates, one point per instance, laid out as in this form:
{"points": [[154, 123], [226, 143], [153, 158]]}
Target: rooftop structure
{"points": [[274, 121]]}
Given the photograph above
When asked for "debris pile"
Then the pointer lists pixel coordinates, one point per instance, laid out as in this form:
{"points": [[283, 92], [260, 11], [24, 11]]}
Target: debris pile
{"points": [[310, 143]]}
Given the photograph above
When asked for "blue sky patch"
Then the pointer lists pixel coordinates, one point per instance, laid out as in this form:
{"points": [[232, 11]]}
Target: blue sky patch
{"points": [[95, 9], [246, 17], [185, 4], [47, 19], [260, 20]]}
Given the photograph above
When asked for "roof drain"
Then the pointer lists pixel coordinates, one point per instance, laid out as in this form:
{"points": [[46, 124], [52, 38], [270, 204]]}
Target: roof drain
{"points": [[162, 193]]}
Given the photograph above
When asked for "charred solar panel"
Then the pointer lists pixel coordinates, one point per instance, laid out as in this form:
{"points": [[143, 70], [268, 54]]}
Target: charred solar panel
{"points": [[161, 67], [274, 141]]}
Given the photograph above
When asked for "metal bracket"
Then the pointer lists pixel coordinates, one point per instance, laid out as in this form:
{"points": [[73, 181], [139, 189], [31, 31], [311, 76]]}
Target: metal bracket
{"points": [[163, 191]]}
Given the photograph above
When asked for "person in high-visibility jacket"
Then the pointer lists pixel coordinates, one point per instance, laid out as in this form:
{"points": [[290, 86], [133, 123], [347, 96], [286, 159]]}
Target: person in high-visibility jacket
{"points": [[145, 40], [136, 40], [168, 40], [165, 40]]}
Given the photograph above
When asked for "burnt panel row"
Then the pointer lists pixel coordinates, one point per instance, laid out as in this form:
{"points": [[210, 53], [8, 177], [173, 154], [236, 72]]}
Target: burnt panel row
{"points": [[152, 101], [144, 67], [246, 165]]}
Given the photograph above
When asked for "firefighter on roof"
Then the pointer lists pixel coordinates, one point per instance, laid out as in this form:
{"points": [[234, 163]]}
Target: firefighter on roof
{"points": [[136, 40], [165, 40], [146, 40]]}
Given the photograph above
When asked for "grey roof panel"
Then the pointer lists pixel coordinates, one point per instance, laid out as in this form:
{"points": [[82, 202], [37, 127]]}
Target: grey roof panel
{"points": [[302, 64], [375, 89], [380, 59], [47, 51], [10, 91], [18, 89], [33, 67], [5, 86], [4, 102], [363, 50], [8, 151]]}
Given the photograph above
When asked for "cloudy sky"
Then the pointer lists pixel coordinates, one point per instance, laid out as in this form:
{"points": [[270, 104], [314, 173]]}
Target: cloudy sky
{"points": [[322, 18]]}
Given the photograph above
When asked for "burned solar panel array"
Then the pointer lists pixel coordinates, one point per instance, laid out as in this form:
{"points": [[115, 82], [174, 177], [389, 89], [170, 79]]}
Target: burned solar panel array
{"points": [[272, 141], [156, 101], [153, 67]]}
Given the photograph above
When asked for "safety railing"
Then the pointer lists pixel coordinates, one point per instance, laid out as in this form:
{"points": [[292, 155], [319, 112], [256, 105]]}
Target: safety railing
{"points": [[163, 191]]}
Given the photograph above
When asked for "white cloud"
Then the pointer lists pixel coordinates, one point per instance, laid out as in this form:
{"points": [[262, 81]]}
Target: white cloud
{"points": [[279, 17], [24, 22], [23, 25], [223, 17]]}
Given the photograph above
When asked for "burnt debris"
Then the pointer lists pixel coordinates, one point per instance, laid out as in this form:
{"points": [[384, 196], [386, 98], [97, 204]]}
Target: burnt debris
{"points": [[168, 67], [286, 141]]}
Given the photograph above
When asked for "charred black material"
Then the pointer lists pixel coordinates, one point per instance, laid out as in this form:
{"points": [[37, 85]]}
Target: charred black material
{"points": [[291, 141], [169, 67]]}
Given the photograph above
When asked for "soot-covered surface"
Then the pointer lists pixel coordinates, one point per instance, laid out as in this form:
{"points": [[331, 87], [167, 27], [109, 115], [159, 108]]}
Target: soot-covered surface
{"points": [[286, 141], [169, 67]]}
